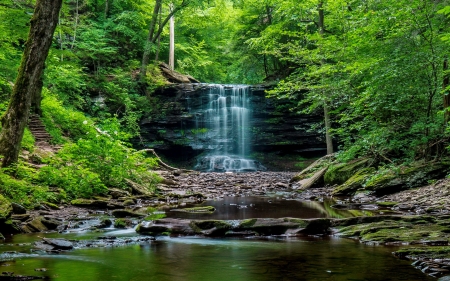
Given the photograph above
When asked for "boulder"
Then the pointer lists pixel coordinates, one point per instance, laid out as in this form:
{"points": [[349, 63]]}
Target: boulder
{"points": [[6, 209], [18, 209], [37, 225], [117, 193], [340, 173], [123, 213], [104, 223], [250, 227], [418, 174], [355, 182]]}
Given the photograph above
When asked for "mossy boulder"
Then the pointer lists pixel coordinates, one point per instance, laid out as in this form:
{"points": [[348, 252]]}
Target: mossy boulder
{"points": [[340, 173], [6, 209], [122, 223], [123, 213], [201, 210], [427, 230], [355, 182], [37, 225], [211, 227], [407, 178]]}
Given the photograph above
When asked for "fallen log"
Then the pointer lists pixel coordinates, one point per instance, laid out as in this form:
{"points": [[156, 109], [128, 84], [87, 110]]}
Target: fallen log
{"points": [[162, 164], [307, 183]]}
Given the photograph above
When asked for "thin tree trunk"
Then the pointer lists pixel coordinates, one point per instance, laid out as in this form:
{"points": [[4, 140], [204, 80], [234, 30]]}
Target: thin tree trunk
{"points": [[43, 24], [37, 97], [159, 37], [151, 39], [76, 24], [326, 113], [106, 9], [146, 55], [172, 41]]}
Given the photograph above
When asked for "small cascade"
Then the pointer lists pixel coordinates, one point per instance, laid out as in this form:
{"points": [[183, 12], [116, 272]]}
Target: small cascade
{"points": [[225, 117]]}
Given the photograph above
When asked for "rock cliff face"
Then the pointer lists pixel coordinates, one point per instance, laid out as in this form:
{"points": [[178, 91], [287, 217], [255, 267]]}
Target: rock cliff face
{"points": [[183, 128]]}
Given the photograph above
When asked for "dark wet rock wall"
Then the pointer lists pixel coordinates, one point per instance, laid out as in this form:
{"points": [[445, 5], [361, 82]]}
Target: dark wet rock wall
{"points": [[174, 130]]}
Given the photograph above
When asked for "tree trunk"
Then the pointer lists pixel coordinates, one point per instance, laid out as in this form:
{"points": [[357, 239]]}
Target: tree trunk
{"points": [[326, 112], [146, 55], [172, 41], [152, 36], [36, 97], [43, 24]]}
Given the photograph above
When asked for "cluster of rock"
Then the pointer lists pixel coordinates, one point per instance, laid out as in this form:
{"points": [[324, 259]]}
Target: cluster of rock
{"points": [[219, 185], [58, 245], [239, 228], [368, 176]]}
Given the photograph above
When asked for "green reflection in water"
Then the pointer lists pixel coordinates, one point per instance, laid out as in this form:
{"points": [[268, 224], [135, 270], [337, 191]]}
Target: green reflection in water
{"points": [[187, 259]]}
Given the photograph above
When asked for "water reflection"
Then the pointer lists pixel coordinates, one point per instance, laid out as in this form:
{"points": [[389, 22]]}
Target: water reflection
{"points": [[235, 208], [188, 259]]}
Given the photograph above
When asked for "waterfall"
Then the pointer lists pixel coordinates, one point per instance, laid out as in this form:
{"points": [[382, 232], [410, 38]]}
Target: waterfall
{"points": [[226, 115]]}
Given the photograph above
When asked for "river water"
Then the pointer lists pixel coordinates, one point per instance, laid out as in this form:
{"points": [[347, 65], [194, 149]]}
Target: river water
{"points": [[194, 258]]}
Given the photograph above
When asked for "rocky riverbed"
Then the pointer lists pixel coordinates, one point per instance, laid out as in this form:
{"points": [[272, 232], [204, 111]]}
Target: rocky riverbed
{"points": [[428, 227]]}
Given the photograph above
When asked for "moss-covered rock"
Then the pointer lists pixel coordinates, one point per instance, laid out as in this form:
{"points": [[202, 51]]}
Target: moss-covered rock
{"points": [[201, 209], [355, 182], [89, 203], [5, 209], [210, 227], [37, 225], [419, 174], [411, 229], [122, 223], [340, 173], [123, 213], [435, 252]]}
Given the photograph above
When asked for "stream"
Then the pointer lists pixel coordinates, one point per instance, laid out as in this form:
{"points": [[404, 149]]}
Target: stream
{"points": [[196, 258]]}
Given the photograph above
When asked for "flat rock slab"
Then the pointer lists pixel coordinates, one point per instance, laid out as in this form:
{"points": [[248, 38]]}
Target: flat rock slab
{"points": [[250, 227], [62, 244]]}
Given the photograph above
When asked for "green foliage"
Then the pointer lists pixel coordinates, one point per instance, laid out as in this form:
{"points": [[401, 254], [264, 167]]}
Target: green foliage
{"points": [[19, 189], [77, 181], [62, 122], [28, 140]]}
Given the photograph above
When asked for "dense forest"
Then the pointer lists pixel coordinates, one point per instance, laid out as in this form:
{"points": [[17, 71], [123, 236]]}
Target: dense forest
{"points": [[378, 69]]}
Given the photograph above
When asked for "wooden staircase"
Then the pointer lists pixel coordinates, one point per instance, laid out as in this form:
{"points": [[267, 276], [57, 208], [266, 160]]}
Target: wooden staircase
{"points": [[37, 128]]}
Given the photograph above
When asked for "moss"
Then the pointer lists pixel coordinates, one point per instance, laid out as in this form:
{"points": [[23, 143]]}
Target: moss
{"points": [[390, 181], [428, 252], [51, 205], [5, 209], [89, 203], [386, 203], [416, 229], [202, 209], [354, 183], [301, 223], [198, 226], [128, 202], [105, 222], [340, 173], [247, 223], [120, 223]]}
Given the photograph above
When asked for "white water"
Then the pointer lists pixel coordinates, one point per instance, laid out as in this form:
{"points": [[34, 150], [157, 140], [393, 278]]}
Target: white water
{"points": [[226, 117]]}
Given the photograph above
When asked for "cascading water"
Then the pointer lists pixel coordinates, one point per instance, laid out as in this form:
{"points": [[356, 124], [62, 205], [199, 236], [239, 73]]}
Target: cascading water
{"points": [[226, 116]]}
